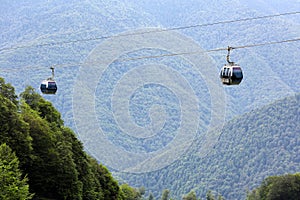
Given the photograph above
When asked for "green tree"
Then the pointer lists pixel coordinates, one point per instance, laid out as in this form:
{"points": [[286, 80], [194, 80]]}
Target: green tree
{"points": [[108, 184], [45, 108], [8, 91], [220, 197], [190, 196], [277, 188], [130, 193], [13, 129], [91, 188], [31, 97], [53, 173], [165, 194], [69, 187], [209, 195], [12, 184], [151, 197], [142, 191], [42, 169]]}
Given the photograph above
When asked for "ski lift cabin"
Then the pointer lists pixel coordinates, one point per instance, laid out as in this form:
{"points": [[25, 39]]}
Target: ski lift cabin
{"points": [[49, 86], [231, 73]]}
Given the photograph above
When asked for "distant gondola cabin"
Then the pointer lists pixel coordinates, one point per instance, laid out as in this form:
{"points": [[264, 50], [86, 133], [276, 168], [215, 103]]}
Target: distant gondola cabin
{"points": [[48, 87], [231, 75]]}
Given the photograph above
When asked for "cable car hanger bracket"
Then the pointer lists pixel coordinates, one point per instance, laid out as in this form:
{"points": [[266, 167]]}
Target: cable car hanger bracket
{"points": [[228, 56]]}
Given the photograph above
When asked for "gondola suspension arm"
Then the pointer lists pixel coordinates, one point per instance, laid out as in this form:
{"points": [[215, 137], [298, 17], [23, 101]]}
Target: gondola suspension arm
{"points": [[52, 68], [228, 56]]}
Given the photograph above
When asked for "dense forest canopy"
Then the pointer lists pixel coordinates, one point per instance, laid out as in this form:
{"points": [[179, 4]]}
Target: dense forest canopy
{"points": [[249, 148], [46, 160], [277, 187], [43, 159], [81, 39]]}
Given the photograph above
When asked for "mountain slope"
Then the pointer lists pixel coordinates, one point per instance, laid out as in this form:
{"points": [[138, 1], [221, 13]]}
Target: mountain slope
{"points": [[47, 153], [258, 144], [33, 23], [270, 72], [30, 24], [267, 69]]}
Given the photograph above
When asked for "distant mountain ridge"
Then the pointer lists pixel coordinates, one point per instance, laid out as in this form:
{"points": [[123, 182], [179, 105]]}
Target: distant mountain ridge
{"points": [[261, 143], [271, 72], [53, 22], [267, 68]]}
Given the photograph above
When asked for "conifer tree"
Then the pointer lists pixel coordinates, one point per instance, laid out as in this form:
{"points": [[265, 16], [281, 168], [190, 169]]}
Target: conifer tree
{"points": [[12, 184], [190, 196], [165, 194]]}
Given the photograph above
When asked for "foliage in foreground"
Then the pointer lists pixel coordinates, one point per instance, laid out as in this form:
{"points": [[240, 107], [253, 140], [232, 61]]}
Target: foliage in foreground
{"points": [[277, 187], [49, 160], [40, 158], [13, 185]]}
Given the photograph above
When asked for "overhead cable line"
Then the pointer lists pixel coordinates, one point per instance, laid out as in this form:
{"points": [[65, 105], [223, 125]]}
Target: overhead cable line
{"points": [[232, 21], [167, 55], [149, 31], [211, 50]]}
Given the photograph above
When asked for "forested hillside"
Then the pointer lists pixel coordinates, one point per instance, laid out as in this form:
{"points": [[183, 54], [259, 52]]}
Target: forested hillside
{"points": [[33, 24], [247, 149], [263, 142], [277, 187], [262, 65], [138, 82], [36, 145]]}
